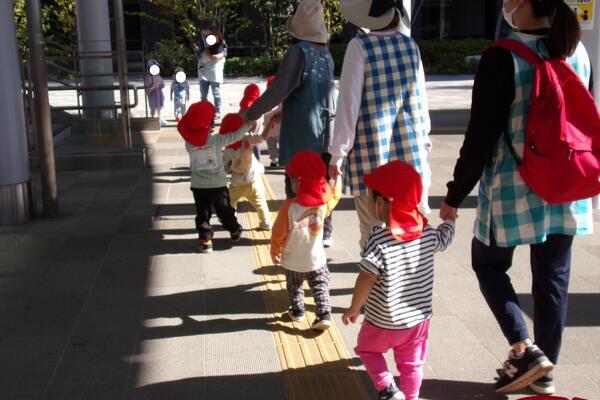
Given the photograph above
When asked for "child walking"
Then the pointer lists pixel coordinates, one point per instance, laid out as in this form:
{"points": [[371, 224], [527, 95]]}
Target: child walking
{"points": [[180, 89], [271, 135], [246, 172], [208, 180], [297, 236], [395, 283], [154, 90]]}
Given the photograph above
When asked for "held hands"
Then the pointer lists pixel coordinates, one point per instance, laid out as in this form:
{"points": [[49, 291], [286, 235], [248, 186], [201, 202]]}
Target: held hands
{"points": [[350, 316], [448, 212], [334, 172]]}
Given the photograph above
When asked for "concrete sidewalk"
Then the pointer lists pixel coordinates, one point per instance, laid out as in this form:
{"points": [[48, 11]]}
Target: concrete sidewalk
{"points": [[113, 301]]}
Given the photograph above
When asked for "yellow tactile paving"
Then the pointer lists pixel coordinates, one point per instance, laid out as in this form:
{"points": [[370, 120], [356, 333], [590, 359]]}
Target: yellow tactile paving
{"points": [[315, 366]]}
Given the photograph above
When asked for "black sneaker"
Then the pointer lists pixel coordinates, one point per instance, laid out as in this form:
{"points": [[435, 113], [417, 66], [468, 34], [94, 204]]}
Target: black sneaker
{"points": [[236, 236], [322, 323], [544, 385], [391, 393], [205, 246], [518, 373], [274, 165], [296, 314]]}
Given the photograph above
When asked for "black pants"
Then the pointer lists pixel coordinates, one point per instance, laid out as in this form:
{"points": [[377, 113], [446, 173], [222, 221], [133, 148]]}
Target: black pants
{"points": [[205, 200], [289, 193], [550, 267]]}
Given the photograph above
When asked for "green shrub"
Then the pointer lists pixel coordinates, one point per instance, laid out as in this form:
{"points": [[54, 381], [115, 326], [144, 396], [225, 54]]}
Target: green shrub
{"points": [[448, 56], [252, 66], [172, 54]]}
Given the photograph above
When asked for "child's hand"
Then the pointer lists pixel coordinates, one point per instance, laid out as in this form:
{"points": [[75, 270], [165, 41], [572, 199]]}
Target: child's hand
{"points": [[350, 316], [276, 258]]}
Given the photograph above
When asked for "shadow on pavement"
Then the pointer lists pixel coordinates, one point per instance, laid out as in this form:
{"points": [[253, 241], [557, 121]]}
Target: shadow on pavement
{"points": [[582, 309]]}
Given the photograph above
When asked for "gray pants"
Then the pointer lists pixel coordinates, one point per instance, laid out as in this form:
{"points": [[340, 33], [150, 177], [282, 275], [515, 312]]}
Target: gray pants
{"points": [[319, 284]]}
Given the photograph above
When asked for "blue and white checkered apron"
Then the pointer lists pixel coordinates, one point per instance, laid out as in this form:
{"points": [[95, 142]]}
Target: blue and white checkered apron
{"points": [[505, 202], [393, 120]]}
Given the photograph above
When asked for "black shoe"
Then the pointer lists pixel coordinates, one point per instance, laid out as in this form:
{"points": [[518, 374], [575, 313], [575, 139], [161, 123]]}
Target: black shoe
{"points": [[322, 323], [544, 385], [274, 165], [296, 314], [518, 373], [236, 236], [391, 393]]}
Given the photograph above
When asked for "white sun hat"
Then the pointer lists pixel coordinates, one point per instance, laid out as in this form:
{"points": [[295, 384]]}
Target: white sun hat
{"points": [[372, 14], [308, 23]]}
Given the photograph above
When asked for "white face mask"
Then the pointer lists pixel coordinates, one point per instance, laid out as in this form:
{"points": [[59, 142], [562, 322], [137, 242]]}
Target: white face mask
{"points": [[508, 15]]}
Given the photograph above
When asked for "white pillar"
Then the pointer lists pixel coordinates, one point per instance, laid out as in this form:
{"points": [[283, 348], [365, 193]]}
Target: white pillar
{"points": [[591, 40], [93, 29], [14, 163]]}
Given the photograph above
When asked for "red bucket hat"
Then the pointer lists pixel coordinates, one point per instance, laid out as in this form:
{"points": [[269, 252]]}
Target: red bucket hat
{"points": [[231, 123], [313, 189], [251, 94], [195, 125], [270, 80], [401, 184]]}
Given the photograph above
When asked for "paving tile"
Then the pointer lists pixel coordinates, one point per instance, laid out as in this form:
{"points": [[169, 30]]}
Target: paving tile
{"points": [[93, 367], [27, 362]]}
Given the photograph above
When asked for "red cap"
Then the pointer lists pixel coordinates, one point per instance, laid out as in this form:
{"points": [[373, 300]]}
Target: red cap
{"points": [[251, 94], [401, 184], [270, 80], [310, 170], [195, 125], [231, 123]]}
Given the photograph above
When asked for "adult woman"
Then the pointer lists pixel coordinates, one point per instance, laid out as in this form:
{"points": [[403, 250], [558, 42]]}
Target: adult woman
{"points": [[211, 64], [304, 84], [509, 213], [382, 112]]}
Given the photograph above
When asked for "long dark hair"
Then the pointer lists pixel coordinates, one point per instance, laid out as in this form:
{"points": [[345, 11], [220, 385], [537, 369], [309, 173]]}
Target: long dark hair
{"points": [[565, 32]]}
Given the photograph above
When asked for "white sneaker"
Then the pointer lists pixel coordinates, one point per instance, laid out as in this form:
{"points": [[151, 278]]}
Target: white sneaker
{"points": [[328, 242], [265, 226]]}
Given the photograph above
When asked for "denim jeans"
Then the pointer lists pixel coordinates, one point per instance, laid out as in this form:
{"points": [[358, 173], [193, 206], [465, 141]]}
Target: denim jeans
{"points": [[216, 91]]}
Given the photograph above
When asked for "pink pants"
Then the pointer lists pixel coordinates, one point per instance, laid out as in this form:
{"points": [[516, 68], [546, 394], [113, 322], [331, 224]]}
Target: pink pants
{"points": [[410, 351]]}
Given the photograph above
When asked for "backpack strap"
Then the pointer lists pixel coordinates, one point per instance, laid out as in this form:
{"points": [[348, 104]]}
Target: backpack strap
{"points": [[529, 55], [520, 49]]}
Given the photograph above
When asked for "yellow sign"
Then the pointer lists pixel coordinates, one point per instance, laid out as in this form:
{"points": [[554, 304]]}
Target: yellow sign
{"points": [[584, 9]]}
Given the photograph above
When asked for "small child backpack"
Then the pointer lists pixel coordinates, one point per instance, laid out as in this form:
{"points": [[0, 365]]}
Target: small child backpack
{"points": [[561, 158]]}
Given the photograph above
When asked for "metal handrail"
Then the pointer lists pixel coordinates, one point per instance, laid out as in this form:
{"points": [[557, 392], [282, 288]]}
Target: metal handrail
{"points": [[90, 88]]}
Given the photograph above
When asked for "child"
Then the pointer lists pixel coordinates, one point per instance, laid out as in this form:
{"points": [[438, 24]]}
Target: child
{"points": [[246, 172], [272, 135], [208, 180], [297, 237], [181, 89], [395, 283], [154, 90], [251, 94]]}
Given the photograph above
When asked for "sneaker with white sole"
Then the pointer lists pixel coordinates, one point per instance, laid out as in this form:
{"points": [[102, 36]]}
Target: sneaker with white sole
{"points": [[544, 385], [391, 393], [518, 373], [205, 246], [322, 322], [296, 314], [265, 226], [327, 242]]}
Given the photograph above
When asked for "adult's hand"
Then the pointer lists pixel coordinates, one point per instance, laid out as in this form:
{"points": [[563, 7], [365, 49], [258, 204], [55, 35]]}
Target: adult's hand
{"points": [[448, 212], [334, 171]]}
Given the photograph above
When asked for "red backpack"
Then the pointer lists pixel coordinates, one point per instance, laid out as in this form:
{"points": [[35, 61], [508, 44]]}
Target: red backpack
{"points": [[561, 159]]}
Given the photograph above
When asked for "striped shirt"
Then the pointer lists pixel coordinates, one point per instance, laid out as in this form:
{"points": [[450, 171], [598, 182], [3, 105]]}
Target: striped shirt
{"points": [[402, 296]]}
